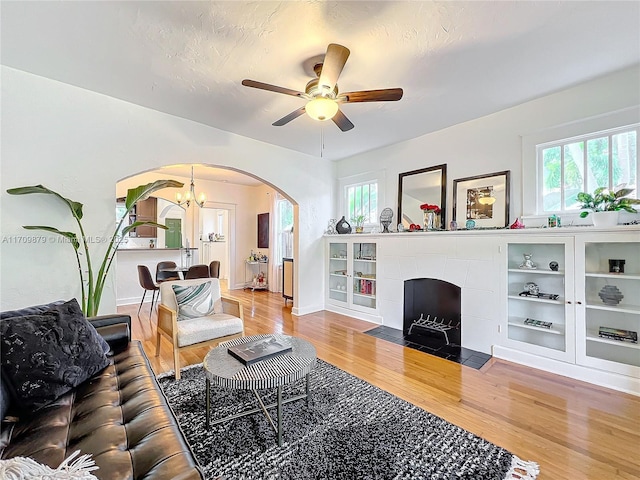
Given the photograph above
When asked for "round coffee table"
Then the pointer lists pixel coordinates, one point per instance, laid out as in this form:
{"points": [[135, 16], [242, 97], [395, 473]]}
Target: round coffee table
{"points": [[224, 370]]}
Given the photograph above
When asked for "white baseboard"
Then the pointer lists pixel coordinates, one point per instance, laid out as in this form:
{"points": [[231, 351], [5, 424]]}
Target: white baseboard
{"points": [[367, 317], [299, 311], [611, 380], [132, 300]]}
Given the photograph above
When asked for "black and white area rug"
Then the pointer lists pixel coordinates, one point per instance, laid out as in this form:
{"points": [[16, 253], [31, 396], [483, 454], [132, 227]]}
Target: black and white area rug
{"points": [[350, 430]]}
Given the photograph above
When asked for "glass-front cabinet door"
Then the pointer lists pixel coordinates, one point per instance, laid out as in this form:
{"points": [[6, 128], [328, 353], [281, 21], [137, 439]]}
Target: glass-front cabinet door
{"points": [[540, 312], [363, 279], [608, 280], [338, 269]]}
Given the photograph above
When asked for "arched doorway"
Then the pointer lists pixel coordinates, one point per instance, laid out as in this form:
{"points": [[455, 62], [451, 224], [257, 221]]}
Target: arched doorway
{"points": [[234, 196]]}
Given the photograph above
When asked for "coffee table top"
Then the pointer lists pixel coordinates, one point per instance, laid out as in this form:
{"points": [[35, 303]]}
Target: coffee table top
{"points": [[225, 371]]}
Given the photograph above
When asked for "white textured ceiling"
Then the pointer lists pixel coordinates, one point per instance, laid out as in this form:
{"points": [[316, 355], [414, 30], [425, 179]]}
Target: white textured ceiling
{"points": [[455, 60]]}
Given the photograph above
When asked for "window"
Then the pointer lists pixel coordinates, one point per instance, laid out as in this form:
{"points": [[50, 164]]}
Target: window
{"points": [[362, 199], [284, 229], [584, 163], [361, 194]]}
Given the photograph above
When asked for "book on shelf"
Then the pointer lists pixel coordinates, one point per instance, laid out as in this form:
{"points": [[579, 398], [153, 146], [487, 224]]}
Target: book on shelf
{"points": [[618, 334], [258, 350], [537, 323], [365, 287], [546, 296]]}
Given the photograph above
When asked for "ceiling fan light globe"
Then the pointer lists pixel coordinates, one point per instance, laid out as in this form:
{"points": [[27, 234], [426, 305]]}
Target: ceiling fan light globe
{"points": [[321, 109]]}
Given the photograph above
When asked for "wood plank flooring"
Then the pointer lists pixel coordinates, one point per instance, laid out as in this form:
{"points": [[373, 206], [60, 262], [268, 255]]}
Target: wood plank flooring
{"points": [[574, 430]]}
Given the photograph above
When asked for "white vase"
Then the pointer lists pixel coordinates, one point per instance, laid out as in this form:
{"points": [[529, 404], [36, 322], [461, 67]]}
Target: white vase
{"points": [[605, 219]]}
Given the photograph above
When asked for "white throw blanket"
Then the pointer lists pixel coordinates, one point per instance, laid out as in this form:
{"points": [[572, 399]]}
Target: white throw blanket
{"points": [[22, 468]]}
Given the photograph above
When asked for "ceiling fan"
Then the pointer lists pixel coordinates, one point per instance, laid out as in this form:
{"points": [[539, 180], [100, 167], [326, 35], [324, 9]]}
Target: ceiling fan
{"points": [[322, 95]]}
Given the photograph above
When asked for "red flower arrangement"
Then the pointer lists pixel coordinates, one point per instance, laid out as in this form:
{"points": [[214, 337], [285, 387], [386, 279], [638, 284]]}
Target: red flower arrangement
{"points": [[434, 208]]}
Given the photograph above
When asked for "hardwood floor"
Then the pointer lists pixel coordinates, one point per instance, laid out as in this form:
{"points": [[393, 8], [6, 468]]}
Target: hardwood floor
{"points": [[574, 430]]}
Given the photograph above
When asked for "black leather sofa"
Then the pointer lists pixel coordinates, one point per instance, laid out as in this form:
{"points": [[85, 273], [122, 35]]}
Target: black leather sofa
{"points": [[120, 416]]}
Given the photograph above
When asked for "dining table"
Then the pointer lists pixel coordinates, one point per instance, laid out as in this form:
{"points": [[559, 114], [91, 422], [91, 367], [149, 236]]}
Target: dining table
{"points": [[181, 270]]}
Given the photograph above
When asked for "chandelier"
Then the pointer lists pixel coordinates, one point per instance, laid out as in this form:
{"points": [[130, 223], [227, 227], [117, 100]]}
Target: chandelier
{"points": [[190, 195]]}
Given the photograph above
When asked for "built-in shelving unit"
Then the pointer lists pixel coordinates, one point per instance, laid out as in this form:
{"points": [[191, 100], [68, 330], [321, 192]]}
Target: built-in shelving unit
{"points": [[351, 280], [486, 265]]}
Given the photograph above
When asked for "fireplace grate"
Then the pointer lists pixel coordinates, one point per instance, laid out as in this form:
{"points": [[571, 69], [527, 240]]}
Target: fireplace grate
{"points": [[435, 325]]}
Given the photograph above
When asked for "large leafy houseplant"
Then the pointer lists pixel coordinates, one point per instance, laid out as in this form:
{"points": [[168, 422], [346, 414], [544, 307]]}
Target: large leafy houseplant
{"points": [[93, 287], [605, 200]]}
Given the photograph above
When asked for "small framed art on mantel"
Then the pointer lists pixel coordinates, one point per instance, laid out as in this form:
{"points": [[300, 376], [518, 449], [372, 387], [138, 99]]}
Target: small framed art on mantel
{"points": [[484, 199]]}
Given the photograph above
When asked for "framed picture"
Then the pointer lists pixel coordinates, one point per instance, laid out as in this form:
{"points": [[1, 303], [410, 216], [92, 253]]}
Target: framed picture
{"points": [[263, 230], [484, 199]]}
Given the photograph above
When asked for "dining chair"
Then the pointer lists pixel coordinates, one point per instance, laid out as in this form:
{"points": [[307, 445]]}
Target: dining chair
{"points": [[214, 269], [197, 271], [146, 282], [166, 276]]}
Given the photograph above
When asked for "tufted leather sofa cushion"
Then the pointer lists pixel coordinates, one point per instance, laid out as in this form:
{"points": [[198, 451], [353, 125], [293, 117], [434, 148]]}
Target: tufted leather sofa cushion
{"points": [[120, 416]]}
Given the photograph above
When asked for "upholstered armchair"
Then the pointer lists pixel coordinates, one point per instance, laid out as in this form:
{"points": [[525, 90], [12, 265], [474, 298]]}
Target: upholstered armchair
{"points": [[193, 313]]}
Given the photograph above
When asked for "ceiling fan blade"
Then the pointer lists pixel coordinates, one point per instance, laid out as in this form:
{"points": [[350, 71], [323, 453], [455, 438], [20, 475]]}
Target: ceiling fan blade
{"points": [[332, 66], [272, 88], [342, 121], [385, 95], [287, 118]]}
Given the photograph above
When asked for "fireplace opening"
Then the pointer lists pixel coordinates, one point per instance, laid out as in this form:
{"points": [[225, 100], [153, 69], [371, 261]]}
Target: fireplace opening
{"points": [[432, 313], [432, 322]]}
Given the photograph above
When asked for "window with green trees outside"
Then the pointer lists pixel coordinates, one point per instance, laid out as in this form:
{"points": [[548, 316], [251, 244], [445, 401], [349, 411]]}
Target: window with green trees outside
{"points": [[582, 164], [362, 200]]}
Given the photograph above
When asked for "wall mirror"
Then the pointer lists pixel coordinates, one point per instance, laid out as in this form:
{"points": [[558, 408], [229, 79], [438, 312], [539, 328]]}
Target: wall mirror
{"points": [[426, 185]]}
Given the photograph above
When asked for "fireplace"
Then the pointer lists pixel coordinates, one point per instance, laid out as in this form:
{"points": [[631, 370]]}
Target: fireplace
{"points": [[432, 323], [432, 313]]}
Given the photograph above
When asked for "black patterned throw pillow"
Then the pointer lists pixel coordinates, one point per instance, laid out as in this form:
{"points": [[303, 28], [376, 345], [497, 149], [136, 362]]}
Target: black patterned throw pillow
{"points": [[45, 355]]}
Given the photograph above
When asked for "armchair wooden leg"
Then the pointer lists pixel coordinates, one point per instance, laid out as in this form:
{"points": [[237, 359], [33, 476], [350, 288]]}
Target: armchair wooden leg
{"points": [[158, 336], [176, 363]]}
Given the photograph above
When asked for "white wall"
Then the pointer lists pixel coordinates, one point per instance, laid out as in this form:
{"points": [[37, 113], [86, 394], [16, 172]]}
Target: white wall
{"points": [[493, 143], [81, 143]]}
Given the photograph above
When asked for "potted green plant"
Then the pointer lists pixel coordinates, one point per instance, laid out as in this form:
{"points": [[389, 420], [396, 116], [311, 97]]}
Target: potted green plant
{"points": [[92, 292], [358, 222], [605, 204]]}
